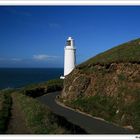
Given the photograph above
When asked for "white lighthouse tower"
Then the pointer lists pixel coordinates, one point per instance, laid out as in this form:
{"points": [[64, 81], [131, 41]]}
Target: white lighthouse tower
{"points": [[69, 57]]}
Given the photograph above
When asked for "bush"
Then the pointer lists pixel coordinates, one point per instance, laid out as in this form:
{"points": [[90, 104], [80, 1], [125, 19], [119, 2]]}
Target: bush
{"points": [[5, 106], [54, 85], [36, 90]]}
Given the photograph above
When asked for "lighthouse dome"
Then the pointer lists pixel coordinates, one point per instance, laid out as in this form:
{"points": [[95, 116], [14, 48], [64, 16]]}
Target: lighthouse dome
{"points": [[70, 38]]}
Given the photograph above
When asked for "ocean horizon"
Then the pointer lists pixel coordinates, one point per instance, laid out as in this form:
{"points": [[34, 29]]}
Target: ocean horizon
{"points": [[19, 77]]}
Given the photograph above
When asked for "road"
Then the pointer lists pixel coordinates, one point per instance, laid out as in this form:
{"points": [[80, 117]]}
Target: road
{"points": [[89, 124]]}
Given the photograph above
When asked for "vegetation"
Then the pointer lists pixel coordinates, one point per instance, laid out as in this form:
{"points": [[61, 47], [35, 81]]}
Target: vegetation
{"points": [[5, 106], [38, 117], [127, 52], [54, 85], [111, 89], [96, 106], [35, 90], [123, 110]]}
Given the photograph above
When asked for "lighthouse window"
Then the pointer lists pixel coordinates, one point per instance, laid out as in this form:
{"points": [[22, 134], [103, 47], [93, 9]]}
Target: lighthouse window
{"points": [[68, 43]]}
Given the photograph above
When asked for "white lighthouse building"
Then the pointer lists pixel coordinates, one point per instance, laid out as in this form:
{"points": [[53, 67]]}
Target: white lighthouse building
{"points": [[69, 57]]}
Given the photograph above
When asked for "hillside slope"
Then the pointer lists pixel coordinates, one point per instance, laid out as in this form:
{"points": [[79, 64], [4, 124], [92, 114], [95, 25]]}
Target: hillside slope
{"points": [[127, 52], [108, 86]]}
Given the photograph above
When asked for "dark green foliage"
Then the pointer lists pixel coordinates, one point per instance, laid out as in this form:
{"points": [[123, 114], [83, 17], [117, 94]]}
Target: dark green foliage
{"points": [[127, 52], [5, 106], [61, 121], [35, 90], [37, 115], [54, 85], [136, 115]]}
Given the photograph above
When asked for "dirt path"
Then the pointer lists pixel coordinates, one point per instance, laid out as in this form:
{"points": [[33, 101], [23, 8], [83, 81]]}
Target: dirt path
{"points": [[17, 124]]}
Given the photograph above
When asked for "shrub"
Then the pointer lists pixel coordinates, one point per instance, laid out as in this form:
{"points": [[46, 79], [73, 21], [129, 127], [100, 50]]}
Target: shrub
{"points": [[5, 106], [35, 90]]}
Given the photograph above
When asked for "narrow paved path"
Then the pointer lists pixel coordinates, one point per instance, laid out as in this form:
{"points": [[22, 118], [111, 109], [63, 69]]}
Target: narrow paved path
{"points": [[17, 124], [91, 125]]}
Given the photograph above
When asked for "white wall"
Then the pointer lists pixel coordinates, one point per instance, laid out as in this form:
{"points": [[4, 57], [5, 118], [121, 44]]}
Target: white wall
{"points": [[69, 60]]}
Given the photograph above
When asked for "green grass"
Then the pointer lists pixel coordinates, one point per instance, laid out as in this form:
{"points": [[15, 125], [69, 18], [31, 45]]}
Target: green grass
{"points": [[127, 52], [106, 107], [47, 84], [39, 119], [99, 106], [5, 106], [35, 90]]}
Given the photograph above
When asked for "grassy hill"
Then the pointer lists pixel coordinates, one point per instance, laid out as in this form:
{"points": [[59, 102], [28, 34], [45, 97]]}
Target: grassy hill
{"points": [[108, 86], [127, 52]]}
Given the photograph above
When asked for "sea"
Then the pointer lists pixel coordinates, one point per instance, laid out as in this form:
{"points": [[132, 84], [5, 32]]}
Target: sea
{"points": [[19, 77]]}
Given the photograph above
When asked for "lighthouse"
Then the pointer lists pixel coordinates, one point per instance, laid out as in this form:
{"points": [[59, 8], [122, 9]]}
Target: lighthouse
{"points": [[69, 57]]}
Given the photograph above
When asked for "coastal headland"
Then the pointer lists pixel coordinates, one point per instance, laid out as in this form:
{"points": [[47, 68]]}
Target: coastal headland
{"points": [[106, 86]]}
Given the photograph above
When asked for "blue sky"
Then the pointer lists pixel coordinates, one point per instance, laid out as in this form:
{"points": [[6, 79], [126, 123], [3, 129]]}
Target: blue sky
{"points": [[35, 36]]}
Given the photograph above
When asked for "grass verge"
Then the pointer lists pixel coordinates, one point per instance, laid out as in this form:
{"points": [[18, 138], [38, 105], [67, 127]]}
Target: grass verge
{"points": [[5, 106], [110, 109], [38, 117]]}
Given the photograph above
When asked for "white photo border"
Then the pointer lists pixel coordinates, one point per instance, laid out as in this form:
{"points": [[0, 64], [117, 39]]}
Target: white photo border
{"points": [[70, 3]]}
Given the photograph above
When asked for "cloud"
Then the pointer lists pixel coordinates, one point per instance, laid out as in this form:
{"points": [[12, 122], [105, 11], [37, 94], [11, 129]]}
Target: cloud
{"points": [[15, 59], [43, 57]]}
